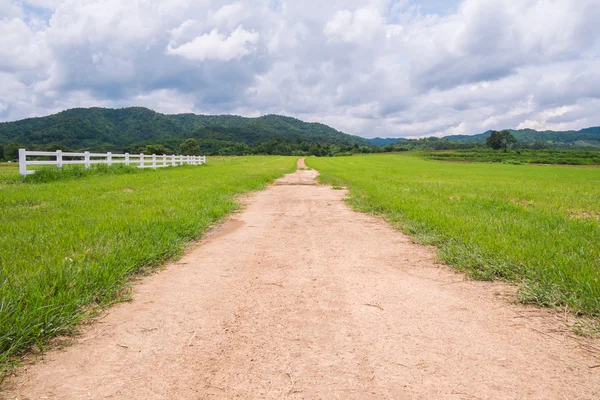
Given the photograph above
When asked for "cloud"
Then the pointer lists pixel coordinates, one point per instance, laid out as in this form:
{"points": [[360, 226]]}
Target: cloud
{"points": [[368, 67], [10, 9], [21, 49], [229, 14], [215, 46], [358, 26]]}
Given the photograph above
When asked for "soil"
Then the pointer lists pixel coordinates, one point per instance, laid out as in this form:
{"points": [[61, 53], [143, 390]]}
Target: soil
{"points": [[298, 296]]}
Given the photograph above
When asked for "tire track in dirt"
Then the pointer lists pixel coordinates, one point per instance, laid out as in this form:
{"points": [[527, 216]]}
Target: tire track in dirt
{"points": [[299, 297]]}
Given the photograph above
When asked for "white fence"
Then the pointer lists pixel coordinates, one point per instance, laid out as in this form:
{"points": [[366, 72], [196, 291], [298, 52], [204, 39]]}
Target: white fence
{"points": [[87, 159]]}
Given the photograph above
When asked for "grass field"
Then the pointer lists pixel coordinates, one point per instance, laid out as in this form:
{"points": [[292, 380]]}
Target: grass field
{"points": [[9, 169], [538, 226], [70, 244], [567, 157]]}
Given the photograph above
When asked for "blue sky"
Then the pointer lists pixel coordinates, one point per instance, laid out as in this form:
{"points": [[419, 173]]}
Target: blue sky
{"points": [[439, 7], [395, 68]]}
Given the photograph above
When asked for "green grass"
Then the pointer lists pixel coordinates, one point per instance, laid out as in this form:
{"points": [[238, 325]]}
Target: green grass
{"points": [[44, 174], [538, 226], [69, 245], [52, 174], [9, 170], [566, 157]]}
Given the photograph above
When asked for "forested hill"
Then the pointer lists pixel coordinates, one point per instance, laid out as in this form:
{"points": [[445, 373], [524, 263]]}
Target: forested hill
{"points": [[138, 129], [589, 137], [103, 128]]}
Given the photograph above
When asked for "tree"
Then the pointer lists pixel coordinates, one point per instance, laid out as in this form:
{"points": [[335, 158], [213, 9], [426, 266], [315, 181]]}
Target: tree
{"points": [[316, 150], [156, 149], [11, 151], [190, 148], [500, 140], [54, 147]]}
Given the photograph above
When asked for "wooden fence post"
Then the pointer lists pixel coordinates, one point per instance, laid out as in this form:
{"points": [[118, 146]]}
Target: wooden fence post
{"points": [[141, 160], [86, 159], [154, 161], [127, 159], [109, 158]]}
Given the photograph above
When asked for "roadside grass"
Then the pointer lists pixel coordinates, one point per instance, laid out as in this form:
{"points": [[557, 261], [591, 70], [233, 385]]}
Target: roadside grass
{"points": [[70, 246], [525, 156], [537, 226]]}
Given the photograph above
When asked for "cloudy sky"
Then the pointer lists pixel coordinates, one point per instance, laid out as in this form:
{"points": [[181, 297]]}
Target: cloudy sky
{"points": [[392, 68]]}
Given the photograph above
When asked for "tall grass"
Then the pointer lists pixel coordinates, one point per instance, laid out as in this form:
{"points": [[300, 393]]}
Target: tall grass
{"points": [[52, 174], [538, 226], [71, 244]]}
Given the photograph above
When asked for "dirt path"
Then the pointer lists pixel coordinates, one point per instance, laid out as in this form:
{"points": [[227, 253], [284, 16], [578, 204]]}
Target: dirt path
{"points": [[300, 297]]}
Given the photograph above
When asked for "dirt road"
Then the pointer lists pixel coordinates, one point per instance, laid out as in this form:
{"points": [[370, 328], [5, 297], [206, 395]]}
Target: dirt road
{"points": [[300, 297]]}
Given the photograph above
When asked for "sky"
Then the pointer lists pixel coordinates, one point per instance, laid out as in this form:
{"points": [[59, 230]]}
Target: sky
{"points": [[387, 68]]}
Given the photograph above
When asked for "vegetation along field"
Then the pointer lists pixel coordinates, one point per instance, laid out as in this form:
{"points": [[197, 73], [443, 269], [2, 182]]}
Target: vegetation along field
{"points": [[523, 156], [69, 244], [538, 226]]}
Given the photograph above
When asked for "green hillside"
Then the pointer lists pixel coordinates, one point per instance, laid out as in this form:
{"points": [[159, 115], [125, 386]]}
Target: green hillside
{"points": [[134, 129], [103, 128]]}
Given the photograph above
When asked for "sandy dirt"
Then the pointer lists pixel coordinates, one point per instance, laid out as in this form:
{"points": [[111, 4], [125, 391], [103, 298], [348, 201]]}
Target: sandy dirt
{"points": [[299, 297]]}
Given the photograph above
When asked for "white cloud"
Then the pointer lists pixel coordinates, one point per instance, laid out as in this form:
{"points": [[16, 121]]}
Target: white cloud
{"points": [[229, 15], [216, 46], [543, 119], [358, 26], [10, 9], [167, 101], [21, 50]]}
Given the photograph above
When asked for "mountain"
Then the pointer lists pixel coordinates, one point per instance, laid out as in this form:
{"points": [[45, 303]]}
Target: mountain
{"points": [[384, 141], [589, 137], [104, 128], [132, 129]]}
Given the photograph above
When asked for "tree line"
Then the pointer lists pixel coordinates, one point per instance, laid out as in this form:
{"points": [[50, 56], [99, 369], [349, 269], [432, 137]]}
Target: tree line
{"points": [[497, 140]]}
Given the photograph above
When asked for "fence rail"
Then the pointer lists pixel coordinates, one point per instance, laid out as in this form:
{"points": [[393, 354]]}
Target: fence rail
{"points": [[86, 158]]}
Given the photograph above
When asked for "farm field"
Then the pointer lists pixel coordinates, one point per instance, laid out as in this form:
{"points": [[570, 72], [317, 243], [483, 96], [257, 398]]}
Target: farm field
{"points": [[538, 226], [69, 244], [8, 169]]}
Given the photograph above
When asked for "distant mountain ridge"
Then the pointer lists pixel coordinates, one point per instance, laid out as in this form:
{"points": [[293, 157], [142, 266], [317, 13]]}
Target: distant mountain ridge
{"points": [[588, 137], [85, 128], [384, 141]]}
